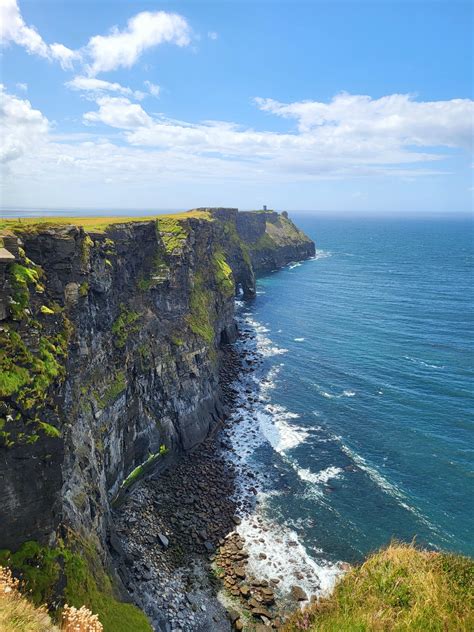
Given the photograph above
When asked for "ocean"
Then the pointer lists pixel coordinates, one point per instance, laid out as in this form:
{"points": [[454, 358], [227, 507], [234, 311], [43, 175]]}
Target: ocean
{"points": [[357, 425]]}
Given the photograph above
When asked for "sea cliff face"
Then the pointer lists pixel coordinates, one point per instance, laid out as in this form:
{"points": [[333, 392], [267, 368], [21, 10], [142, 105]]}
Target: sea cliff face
{"points": [[110, 334]]}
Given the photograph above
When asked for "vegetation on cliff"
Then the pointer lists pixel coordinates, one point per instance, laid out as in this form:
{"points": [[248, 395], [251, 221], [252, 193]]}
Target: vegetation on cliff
{"points": [[33, 349], [77, 566], [91, 224], [400, 588]]}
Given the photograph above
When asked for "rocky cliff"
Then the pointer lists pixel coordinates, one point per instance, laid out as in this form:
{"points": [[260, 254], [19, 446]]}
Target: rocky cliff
{"points": [[110, 337]]}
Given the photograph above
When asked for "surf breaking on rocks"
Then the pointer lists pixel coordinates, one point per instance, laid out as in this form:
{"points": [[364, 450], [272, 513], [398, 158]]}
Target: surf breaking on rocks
{"points": [[257, 424]]}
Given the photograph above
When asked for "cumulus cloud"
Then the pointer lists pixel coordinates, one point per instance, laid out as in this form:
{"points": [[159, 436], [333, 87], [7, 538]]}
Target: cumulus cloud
{"points": [[14, 29], [23, 127], [141, 152], [118, 112], [103, 53], [396, 118], [99, 86], [145, 30]]}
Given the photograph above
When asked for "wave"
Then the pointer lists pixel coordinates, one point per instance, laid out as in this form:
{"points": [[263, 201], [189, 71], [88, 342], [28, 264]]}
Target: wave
{"points": [[298, 339], [264, 345], [294, 265], [390, 488], [321, 254], [276, 552], [281, 435], [423, 363], [327, 395], [320, 477]]}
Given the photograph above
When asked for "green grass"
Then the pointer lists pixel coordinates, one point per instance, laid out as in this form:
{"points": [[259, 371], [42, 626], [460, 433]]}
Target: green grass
{"points": [[21, 278], [138, 472], [25, 371], [79, 569], [223, 274], [399, 589], [124, 326], [199, 318], [91, 224], [173, 232], [113, 390]]}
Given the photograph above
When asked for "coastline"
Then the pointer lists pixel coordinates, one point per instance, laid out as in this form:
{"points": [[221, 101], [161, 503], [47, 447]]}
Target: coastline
{"points": [[210, 507]]}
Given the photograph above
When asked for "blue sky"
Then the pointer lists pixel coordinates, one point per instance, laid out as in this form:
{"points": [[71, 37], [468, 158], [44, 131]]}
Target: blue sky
{"points": [[331, 106]]}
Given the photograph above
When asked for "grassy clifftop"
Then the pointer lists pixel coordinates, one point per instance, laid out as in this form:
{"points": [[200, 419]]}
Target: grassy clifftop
{"points": [[92, 224], [398, 589]]}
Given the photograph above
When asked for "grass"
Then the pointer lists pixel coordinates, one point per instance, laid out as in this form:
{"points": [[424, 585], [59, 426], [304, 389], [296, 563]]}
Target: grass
{"points": [[91, 224], [124, 326], [399, 589], [200, 303], [173, 233], [223, 274], [113, 390], [138, 472], [17, 614], [78, 568], [21, 278]]}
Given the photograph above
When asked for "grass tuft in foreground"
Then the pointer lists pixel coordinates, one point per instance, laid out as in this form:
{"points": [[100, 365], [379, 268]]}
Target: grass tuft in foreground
{"points": [[18, 614], [399, 588]]}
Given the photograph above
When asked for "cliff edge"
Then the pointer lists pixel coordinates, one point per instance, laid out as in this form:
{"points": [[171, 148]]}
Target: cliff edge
{"points": [[110, 338]]}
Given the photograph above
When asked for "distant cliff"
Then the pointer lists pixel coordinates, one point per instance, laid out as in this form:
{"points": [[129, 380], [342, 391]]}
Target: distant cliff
{"points": [[110, 331]]}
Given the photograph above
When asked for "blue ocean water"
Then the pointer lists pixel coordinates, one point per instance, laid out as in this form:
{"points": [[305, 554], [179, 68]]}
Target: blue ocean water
{"points": [[367, 376]]}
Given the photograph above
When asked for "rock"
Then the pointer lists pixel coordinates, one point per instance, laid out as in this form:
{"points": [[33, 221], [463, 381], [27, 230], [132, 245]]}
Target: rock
{"points": [[163, 540], [298, 593], [233, 615], [260, 611], [238, 625], [236, 520], [239, 572]]}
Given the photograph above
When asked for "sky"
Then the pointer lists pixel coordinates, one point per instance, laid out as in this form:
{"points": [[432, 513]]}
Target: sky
{"points": [[357, 107]]}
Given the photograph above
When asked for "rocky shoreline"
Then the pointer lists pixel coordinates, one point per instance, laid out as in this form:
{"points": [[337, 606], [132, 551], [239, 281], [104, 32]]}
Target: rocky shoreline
{"points": [[175, 545]]}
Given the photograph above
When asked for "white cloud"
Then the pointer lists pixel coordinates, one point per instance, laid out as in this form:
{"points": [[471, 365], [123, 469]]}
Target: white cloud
{"points": [[14, 29], [143, 31], [23, 128], [143, 155], [153, 89], [22, 86], [99, 86], [103, 52], [394, 119], [118, 112], [64, 55], [212, 35]]}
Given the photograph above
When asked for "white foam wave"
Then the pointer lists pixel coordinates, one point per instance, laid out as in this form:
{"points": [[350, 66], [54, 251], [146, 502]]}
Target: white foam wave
{"points": [[327, 395], [298, 339], [273, 423], [294, 265], [320, 477], [275, 552], [321, 254], [264, 344], [348, 393], [423, 363]]}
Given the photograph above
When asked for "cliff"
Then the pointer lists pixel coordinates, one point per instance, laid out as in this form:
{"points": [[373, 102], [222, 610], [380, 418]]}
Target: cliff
{"points": [[110, 337]]}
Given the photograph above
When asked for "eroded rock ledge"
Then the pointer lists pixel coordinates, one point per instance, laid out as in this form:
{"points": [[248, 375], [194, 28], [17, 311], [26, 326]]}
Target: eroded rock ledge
{"points": [[110, 338]]}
